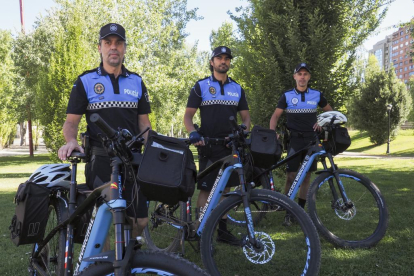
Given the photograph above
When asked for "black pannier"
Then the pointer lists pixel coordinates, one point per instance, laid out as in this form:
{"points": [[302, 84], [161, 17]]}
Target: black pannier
{"points": [[29, 222], [265, 147], [82, 223], [167, 172], [338, 140]]}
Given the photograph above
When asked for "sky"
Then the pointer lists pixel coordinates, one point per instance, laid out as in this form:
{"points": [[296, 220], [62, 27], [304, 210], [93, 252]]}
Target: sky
{"points": [[214, 13]]}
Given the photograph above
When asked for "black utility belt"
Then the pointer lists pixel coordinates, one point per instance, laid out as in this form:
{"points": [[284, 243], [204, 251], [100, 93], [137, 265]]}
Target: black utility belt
{"points": [[98, 151], [217, 141], [301, 134]]}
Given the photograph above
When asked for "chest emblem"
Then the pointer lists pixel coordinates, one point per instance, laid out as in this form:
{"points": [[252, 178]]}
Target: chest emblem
{"points": [[295, 101], [99, 88], [212, 90]]}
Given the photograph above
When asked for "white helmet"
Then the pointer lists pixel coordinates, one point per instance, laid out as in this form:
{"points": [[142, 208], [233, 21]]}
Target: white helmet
{"points": [[52, 175], [326, 118]]}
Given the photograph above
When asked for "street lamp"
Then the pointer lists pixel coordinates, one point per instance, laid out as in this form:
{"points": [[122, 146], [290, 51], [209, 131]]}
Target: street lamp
{"points": [[389, 107]]}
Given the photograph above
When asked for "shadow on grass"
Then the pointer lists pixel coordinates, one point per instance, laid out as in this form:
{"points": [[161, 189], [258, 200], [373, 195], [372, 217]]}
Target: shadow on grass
{"points": [[21, 160], [14, 175]]}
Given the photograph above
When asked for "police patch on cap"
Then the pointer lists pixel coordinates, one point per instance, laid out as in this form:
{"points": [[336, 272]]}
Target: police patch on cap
{"points": [[113, 28], [212, 90], [99, 88]]}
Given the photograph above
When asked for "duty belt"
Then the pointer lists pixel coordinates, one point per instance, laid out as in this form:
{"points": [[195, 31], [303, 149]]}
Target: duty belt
{"points": [[216, 141], [99, 151], [301, 134]]}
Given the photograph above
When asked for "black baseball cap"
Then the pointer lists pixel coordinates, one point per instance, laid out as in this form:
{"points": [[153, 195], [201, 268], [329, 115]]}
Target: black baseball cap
{"points": [[112, 29], [300, 66], [221, 50]]}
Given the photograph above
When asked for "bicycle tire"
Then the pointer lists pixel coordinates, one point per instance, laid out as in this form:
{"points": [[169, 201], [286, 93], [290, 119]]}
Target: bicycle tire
{"points": [[262, 183], [149, 262], [160, 234], [293, 250], [361, 226], [52, 257]]}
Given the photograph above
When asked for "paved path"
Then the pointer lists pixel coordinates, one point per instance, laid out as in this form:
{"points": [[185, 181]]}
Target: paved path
{"points": [[16, 149]]}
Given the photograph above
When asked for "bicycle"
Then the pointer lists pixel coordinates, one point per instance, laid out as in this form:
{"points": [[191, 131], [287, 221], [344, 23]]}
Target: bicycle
{"points": [[346, 207], [54, 255], [286, 251]]}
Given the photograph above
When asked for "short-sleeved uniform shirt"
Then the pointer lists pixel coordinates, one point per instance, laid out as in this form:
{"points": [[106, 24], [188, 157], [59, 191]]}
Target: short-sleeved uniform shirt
{"points": [[301, 109], [118, 101], [217, 102]]}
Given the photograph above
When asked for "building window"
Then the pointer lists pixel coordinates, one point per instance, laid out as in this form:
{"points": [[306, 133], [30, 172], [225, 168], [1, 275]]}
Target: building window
{"points": [[400, 70], [406, 37], [405, 68], [402, 33]]}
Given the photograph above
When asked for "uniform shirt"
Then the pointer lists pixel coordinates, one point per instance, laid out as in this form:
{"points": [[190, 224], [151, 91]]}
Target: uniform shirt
{"points": [[217, 102], [301, 108], [118, 101]]}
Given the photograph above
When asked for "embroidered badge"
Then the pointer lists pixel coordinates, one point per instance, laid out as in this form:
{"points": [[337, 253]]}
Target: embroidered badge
{"points": [[295, 101], [212, 90], [99, 88], [113, 28]]}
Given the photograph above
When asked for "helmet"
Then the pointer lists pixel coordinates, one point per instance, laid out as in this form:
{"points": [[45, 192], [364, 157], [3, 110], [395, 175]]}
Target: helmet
{"points": [[325, 118], [52, 175]]}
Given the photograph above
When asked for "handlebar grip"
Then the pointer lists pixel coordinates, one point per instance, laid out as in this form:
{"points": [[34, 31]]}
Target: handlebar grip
{"points": [[233, 123], [97, 120]]}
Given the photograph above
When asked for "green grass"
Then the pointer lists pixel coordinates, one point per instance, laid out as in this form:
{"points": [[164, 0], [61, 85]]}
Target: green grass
{"points": [[392, 256], [402, 145]]}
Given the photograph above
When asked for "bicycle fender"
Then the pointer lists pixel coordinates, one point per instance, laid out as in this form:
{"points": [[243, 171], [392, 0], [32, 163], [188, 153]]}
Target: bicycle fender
{"points": [[234, 193]]}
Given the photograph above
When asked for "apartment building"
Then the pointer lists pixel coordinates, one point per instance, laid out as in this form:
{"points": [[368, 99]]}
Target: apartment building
{"points": [[402, 43]]}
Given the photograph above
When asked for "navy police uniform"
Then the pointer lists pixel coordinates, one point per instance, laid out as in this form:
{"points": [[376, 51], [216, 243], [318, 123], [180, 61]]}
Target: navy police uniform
{"points": [[118, 101], [217, 102], [301, 111]]}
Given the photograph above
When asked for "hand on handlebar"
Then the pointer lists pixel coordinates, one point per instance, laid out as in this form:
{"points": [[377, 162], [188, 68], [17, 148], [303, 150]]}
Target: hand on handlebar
{"points": [[66, 150], [196, 139]]}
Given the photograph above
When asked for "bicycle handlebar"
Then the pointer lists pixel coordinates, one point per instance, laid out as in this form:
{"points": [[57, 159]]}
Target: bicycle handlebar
{"points": [[109, 131]]}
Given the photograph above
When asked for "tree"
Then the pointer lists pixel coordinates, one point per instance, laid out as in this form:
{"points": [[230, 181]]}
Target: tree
{"points": [[64, 44], [369, 110], [276, 35], [7, 106]]}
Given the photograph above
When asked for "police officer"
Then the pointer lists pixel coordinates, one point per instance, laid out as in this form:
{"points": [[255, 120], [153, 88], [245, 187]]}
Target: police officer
{"points": [[218, 97], [300, 104], [121, 99]]}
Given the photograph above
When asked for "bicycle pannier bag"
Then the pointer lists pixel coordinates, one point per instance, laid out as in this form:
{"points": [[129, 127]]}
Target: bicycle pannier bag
{"points": [[338, 140], [29, 222], [167, 172], [81, 225], [265, 148]]}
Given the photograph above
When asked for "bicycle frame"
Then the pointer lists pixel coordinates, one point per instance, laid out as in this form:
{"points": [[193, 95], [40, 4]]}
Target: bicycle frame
{"points": [[312, 151]]}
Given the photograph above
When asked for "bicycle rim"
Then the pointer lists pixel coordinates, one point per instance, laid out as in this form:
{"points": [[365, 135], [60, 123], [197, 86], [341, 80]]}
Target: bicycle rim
{"points": [[262, 183], [51, 257], [163, 231], [293, 250], [360, 224]]}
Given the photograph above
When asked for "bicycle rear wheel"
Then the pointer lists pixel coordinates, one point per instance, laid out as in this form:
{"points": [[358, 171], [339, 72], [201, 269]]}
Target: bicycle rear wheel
{"points": [[164, 229], [293, 250], [361, 223], [147, 262], [52, 257]]}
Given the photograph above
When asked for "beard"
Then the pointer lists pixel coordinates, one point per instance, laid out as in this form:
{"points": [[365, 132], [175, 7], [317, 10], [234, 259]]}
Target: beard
{"points": [[222, 68]]}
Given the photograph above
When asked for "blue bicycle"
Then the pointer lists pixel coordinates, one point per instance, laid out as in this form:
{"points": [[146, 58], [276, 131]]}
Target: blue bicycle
{"points": [[346, 207], [261, 246], [54, 255]]}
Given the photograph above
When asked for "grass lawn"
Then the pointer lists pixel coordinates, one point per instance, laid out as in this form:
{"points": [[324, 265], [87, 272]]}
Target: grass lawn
{"points": [[403, 145], [394, 177]]}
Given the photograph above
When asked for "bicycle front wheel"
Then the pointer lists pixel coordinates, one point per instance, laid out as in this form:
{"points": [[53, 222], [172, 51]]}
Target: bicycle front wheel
{"points": [[52, 257], [359, 223], [263, 182], [293, 250], [147, 262], [165, 226]]}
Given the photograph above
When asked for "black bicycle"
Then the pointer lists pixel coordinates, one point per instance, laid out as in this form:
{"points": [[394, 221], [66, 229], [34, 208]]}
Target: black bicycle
{"points": [[252, 245], [54, 254]]}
